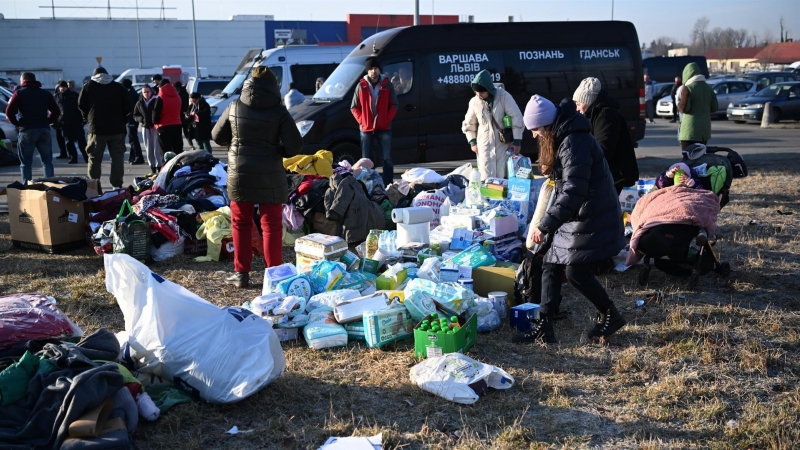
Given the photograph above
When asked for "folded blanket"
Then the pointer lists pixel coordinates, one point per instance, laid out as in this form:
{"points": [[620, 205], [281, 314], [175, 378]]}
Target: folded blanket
{"points": [[672, 205]]}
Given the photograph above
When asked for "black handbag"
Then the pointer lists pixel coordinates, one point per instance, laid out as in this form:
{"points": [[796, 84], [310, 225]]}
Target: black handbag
{"points": [[506, 135]]}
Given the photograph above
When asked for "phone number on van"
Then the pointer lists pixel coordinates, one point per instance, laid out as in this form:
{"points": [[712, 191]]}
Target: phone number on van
{"points": [[465, 78]]}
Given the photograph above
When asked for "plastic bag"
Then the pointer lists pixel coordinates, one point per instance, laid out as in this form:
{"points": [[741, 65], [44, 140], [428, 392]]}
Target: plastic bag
{"points": [[430, 270], [474, 256], [419, 304], [488, 318], [24, 317], [331, 299], [168, 250], [458, 378], [222, 354], [326, 276], [323, 331], [422, 175], [464, 170], [451, 297]]}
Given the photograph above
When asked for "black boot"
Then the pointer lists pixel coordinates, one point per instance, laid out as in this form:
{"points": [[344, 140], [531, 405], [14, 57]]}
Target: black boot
{"points": [[608, 323], [240, 280], [542, 329]]}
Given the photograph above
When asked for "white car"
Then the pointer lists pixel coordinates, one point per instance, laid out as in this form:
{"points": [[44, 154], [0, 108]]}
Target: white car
{"points": [[7, 130], [664, 107], [727, 90]]}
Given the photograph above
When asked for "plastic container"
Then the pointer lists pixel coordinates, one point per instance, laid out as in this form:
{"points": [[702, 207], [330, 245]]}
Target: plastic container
{"points": [[473, 194]]}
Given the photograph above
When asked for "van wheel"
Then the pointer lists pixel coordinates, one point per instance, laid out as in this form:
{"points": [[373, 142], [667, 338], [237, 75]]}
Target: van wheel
{"points": [[739, 121], [346, 150]]}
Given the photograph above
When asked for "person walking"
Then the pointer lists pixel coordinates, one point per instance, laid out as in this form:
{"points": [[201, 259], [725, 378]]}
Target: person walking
{"points": [[105, 106], [156, 80], [649, 91], [374, 106], [59, 132], [610, 130], [199, 117], [143, 114], [697, 102], [583, 224], [485, 128], [33, 104], [186, 124], [293, 97], [259, 132], [71, 122], [674, 94], [132, 127], [167, 119]]}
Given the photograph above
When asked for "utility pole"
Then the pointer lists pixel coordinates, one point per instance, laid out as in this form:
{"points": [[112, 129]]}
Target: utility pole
{"points": [[53, 8], [612, 9], [194, 35], [138, 38], [416, 12]]}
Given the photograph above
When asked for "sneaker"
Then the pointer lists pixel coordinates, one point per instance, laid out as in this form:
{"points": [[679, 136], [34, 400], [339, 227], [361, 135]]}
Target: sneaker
{"points": [[608, 323], [240, 280], [137, 161], [702, 237], [542, 329]]}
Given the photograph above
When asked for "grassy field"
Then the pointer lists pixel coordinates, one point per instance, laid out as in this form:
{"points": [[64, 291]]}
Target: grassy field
{"points": [[718, 367]]}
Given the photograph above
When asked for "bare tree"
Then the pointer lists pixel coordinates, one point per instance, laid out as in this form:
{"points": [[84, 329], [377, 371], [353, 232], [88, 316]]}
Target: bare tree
{"points": [[661, 46], [767, 37], [699, 35], [767, 56]]}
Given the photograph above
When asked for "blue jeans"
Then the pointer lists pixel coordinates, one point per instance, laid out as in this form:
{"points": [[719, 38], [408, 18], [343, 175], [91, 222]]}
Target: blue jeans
{"points": [[384, 141], [30, 140]]}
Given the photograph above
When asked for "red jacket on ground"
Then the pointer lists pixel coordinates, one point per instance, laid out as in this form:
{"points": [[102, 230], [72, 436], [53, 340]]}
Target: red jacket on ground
{"points": [[385, 108], [167, 110]]}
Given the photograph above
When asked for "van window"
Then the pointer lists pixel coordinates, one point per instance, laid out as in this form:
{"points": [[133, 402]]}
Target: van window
{"points": [[342, 79], [278, 71], [400, 75], [304, 76], [207, 87], [452, 73]]}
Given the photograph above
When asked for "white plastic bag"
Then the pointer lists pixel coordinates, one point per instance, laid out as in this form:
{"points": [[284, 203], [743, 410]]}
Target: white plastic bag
{"points": [[224, 355], [421, 175], [464, 171], [458, 378], [168, 250]]}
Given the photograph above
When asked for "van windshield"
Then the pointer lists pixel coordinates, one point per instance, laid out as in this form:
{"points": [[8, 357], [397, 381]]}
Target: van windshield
{"points": [[235, 85], [340, 81]]}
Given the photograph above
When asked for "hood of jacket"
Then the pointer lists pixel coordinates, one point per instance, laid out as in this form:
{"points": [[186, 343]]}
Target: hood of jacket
{"points": [[484, 79], [102, 78], [260, 94], [30, 84], [167, 91], [692, 70], [569, 121], [603, 100]]}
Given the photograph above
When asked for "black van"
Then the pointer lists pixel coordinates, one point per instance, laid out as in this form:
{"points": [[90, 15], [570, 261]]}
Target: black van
{"points": [[664, 69], [545, 58]]}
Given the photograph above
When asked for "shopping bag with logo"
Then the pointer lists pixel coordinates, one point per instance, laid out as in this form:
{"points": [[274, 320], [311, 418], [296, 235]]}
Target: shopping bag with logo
{"points": [[131, 234]]}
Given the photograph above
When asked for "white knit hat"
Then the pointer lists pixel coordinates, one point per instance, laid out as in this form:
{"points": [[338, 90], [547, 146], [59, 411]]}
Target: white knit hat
{"points": [[587, 91]]}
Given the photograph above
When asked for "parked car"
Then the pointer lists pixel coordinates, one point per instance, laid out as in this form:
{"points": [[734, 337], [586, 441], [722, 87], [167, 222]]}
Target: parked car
{"points": [[765, 79], [205, 86], [727, 89], [7, 130], [784, 97], [5, 94]]}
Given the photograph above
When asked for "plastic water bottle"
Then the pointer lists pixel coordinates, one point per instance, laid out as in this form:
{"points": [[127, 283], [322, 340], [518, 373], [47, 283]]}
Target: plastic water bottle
{"points": [[474, 197]]}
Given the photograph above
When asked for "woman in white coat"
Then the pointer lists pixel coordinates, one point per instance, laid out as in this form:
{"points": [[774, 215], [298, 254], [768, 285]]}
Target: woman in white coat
{"points": [[483, 125]]}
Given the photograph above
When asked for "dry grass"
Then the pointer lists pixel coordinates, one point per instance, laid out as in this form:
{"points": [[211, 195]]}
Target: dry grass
{"points": [[716, 368]]}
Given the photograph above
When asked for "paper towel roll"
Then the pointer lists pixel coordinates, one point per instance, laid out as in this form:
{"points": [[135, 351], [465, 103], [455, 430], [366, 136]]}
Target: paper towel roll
{"points": [[397, 215], [419, 214]]}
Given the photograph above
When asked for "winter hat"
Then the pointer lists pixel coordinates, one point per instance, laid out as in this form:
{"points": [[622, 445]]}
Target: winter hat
{"points": [[62, 83], [372, 62], [365, 163], [694, 151], [539, 112], [169, 155], [99, 70], [264, 73], [587, 91]]}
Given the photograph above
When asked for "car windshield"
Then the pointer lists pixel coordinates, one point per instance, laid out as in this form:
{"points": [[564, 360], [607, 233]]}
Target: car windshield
{"points": [[235, 85], [776, 90], [340, 81]]}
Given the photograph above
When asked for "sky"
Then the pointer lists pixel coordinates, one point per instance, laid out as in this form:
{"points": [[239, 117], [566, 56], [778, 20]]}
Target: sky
{"points": [[653, 19]]}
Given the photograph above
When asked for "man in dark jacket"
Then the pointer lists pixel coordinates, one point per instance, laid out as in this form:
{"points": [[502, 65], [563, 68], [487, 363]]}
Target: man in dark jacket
{"points": [[33, 103], [199, 118], [186, 124], [132, 127], [62, 145], [583, 224], [674, 95], [259, 132], [105, 106], [374, 106], [71, 122], [610, 130]]}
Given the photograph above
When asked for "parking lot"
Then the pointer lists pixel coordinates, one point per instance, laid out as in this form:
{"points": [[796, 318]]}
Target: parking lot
{"points": [[769, 149]]}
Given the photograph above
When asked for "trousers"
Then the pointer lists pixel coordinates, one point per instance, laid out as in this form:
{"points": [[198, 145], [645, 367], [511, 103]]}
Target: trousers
{"points": [[242, 228]]}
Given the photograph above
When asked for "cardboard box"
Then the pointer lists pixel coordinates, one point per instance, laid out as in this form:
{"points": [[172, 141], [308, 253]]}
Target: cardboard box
{"points": [[430, 345], [490, 279], [386, 283], [44, 220], [321, 246], [500, 226], [521, 315]]}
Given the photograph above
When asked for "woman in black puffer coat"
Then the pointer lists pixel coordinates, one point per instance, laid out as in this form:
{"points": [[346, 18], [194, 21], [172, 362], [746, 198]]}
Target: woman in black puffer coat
{"points": [[259, 132], [584, 224]]}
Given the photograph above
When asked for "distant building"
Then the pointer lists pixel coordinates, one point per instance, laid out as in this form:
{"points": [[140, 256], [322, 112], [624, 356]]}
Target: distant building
{"points": [[681, 51], [779, 53], [732, 60]]}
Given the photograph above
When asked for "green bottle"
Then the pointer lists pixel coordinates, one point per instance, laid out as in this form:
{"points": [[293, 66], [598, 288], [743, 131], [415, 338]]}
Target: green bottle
{"points": [[453, 321], [443, 324], [507, 121], [434, 317]]}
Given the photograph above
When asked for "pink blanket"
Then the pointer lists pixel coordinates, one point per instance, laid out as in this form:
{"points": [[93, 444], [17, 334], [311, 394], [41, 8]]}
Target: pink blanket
{"points": [[672, 205]]}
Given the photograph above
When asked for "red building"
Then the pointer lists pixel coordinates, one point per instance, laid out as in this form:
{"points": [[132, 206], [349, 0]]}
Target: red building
{"points": [[362, 26]]}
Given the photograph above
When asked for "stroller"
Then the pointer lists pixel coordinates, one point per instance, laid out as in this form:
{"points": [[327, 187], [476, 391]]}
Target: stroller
{"points": [[670, 247]]}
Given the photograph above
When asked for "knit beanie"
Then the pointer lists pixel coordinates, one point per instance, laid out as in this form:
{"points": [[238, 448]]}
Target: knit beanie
{"points": [[99, 70], [264, 73], [587, 91], [372, 62], [539, 112]]}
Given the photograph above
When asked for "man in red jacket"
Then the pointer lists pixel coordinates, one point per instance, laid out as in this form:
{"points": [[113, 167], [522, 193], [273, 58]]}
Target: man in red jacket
{"points": [[374, 106], [167, 119]]}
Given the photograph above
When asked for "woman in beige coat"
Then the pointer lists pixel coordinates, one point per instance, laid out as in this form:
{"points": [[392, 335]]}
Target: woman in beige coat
{"points": [[483, 133]]}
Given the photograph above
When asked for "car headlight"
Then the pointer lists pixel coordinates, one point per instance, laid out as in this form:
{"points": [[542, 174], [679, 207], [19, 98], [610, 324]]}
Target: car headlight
{"points": [[213, 110], [304, 125], [757, 106], [730, 105]]}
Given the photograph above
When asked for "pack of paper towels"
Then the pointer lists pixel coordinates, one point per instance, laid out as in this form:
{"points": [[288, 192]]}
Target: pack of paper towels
{"points": [[410, 216]]}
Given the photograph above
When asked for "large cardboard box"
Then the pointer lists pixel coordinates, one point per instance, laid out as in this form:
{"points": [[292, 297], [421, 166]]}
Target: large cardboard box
{"points": [[490, 279], [44, 220]]}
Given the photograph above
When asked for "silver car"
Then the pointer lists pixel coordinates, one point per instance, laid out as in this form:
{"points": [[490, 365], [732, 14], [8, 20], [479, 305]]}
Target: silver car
{"points": [[728, 90]]}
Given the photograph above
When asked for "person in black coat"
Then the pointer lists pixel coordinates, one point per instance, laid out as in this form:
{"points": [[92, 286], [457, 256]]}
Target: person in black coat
{"points": [[199, 117], [610, 130], [584, 223], [71, 122], [674, 95], [135, 156]]}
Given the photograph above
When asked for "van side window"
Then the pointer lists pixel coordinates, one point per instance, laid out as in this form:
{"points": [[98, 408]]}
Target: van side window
{"points": [[304, 76], [401, 76], [278, 71]]}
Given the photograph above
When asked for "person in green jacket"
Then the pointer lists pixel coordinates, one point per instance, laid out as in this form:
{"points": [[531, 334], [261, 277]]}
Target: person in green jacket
{"points": [[697, 103]]}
